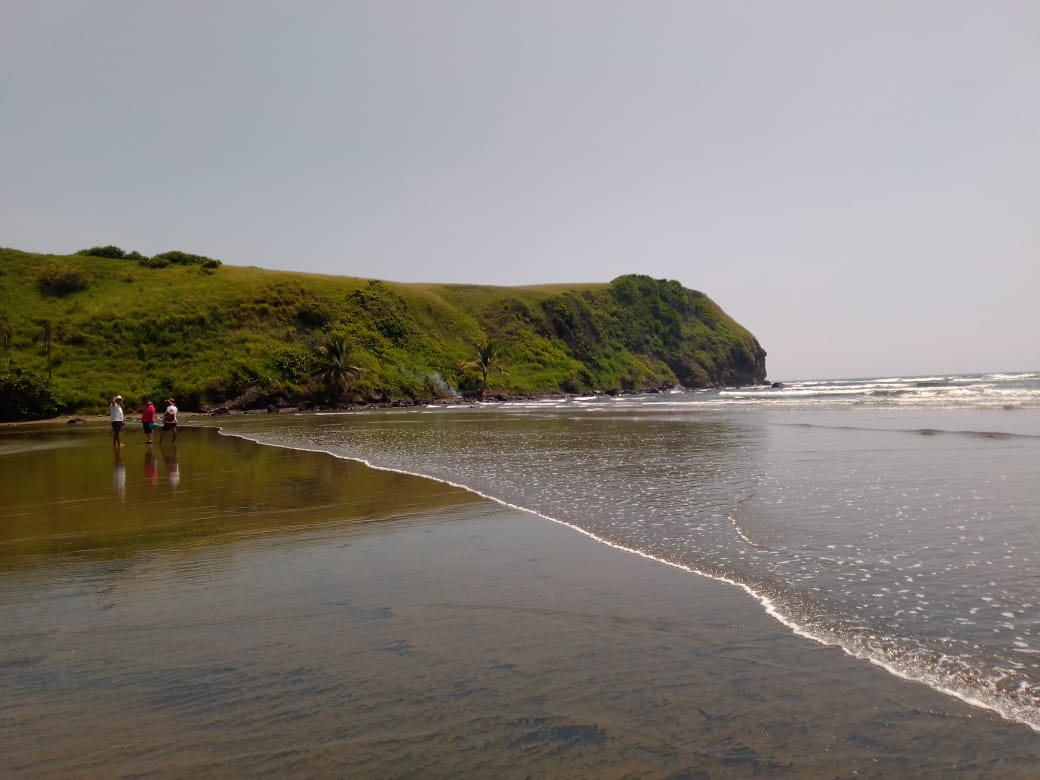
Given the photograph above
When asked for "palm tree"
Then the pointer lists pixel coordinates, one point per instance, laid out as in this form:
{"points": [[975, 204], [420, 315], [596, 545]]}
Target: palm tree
{"points": [[333, 366], [487, 358]]}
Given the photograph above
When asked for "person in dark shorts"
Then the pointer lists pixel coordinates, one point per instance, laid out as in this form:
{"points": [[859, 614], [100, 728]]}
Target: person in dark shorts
{"points": [[148, 419], [169, 421], [115, 412]]}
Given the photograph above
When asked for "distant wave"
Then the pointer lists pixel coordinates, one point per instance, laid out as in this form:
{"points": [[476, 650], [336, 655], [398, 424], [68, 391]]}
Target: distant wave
{"points": [[967, 391], [915, 431]]}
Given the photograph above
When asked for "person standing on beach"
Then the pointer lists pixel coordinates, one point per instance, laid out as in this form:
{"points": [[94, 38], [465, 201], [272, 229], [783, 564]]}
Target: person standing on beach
{"points": [[148, 419], [169, 421], [115, 412]]}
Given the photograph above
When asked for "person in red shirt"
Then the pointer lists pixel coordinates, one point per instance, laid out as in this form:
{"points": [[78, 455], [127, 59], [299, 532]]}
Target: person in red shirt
{"points": [[148, 419]]}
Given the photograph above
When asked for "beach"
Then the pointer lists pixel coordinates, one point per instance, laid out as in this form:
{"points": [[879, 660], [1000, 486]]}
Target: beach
{"points": [[226, 609]]}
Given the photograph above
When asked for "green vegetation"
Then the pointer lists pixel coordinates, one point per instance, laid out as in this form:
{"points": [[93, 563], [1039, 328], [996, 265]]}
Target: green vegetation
{"points": [[25, 396], [109, 251], [486, 362], [334, 368], [77, 329], [60, 280]]}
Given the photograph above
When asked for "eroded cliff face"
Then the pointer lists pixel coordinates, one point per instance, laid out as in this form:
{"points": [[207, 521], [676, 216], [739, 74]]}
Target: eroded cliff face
{"points": [[744, 365], [747, 365], [660, 322], [752, 372]]}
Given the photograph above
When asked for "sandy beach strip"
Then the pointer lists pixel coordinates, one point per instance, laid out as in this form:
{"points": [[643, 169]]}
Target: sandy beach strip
{"points": [[278, 613]]}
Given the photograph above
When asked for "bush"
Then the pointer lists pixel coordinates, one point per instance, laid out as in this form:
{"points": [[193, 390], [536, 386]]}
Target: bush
{"points": [[189, 394], [177, 257], [104, 251], [60, 280], [290, 363], [470, 386], [312, 314], [26, 396], [243, 376]]}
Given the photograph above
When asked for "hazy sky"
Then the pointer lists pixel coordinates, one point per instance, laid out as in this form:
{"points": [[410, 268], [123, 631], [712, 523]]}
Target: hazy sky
{"points": [[858, 183]]}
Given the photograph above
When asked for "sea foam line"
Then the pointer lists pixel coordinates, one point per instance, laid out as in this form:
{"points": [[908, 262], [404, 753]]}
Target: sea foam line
{"points": [[1025, 716]]}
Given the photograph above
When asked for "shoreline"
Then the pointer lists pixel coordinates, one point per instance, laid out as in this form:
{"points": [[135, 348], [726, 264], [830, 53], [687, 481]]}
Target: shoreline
{"points": [[497, 398], [224, 411]]}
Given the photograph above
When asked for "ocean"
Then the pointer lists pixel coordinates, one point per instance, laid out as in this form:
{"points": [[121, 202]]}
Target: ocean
{"points": [[895, 517]]}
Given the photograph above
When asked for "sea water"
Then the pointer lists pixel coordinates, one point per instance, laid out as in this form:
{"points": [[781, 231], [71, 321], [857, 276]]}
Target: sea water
{"points": [[896, 518]]}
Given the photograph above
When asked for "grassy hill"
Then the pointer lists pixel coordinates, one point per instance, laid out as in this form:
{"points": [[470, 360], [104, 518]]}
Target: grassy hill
{"points": [[77, 329]]}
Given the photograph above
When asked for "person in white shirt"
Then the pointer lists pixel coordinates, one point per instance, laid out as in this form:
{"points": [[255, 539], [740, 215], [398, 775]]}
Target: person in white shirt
{"points": [[115, 412], [169, 421]]}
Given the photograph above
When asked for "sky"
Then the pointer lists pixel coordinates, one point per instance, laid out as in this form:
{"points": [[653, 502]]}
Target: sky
{"points": [[857, 183]]}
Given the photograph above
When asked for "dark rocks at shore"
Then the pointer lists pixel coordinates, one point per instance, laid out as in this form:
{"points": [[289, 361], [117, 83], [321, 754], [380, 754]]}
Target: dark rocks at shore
{"points": [[384, 401]]}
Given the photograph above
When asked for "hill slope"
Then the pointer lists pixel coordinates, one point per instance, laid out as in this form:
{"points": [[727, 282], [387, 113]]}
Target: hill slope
{"points": [[77, 329]]}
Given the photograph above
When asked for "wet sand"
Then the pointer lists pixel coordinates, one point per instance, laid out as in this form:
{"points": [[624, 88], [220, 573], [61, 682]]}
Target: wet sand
{"points": [[219, 609]]}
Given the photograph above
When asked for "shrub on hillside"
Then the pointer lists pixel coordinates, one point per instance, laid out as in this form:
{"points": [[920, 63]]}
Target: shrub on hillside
{"points": [[291, 364], [384, 309], [26, 396], [60, 280], [176, 257], [470, 386], [189, 393], [113, 252], [244, 375], [312, 314]]}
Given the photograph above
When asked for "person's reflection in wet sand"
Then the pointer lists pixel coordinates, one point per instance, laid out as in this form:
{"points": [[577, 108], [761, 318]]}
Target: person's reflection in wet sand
{"points": [[119, 474], [151, 468], [173, 469]]}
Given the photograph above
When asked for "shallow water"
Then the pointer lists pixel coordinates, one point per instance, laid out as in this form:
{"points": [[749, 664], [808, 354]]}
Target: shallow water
{"points": [[256, 611], [903, 531], [64, 497]]}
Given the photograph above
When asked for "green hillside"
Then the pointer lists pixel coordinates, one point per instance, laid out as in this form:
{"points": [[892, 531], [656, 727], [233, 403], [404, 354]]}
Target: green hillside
{"points": [[77, 329]]}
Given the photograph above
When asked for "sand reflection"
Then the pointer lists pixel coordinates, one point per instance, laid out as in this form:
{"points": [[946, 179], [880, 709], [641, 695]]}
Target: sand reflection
{"points": [[208, 489]]}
